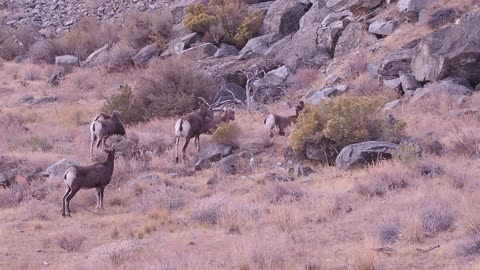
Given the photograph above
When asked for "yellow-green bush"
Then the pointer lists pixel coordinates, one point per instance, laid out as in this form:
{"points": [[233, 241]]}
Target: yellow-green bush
{"points": [[124, 101], [224, 21], [344, 121], [226, 134]]}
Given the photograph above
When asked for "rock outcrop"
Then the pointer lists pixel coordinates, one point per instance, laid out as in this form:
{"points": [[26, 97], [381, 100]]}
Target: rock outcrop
{"points": [[365, 153], [450, 52]]}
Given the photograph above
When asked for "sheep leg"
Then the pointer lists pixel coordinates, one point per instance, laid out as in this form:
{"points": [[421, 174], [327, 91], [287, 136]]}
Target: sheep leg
{"points": [[177, 140], [187, 140], [92, 144], [69, 197], [197, 143], [102, 189], [98, 198], [63, 201]]}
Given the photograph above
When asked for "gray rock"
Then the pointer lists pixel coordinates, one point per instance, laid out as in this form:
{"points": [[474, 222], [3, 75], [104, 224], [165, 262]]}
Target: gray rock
{"points": [[199, 52], [283, 17], [411, 5], [443, 87], [231, 91], [382, 28], [67, 60], [226, 50], [391, 105], [315, 14], [145, 54], [57, 170], [337, 16], [263, 7], [316, 97], [256, 47], [229, 164], [277, 76], [185, 42], [393, 84], [309, 47], [398, 61], [372, 69], [91, 58], [353, 37], [212, 153], [452, 51], [408, 81], [362, 154], [339, 5]]}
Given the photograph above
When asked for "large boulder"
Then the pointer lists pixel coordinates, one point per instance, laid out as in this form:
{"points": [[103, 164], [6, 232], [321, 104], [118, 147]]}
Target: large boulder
{"points": [[450, 52], [231, 91], [145, 54], [316, 13], [352, 37], [283, 17], [444, 87], [308, 47], [57, 170], [212, 153], [365, 153], [199, 52], [256, 47]]}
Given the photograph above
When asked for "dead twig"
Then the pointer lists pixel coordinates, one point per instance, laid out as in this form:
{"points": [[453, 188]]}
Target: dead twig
{"points": [[428, 249], [387, 250]]}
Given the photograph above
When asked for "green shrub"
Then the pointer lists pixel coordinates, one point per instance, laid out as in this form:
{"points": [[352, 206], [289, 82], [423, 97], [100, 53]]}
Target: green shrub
{"points": [[124, 101], [224, 21], [227, 134], [169, 87], [344, 121]]}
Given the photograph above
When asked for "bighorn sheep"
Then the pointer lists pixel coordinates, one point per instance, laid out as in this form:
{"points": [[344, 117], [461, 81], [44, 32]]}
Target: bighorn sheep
{"points": [[190, 126], [104, 126], [273, 120], [96, 176], [210, 124]]}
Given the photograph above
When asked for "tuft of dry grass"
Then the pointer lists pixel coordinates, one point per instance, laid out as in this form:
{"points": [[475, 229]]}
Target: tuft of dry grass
{"points": [[71, 242], [437, 216], [388, 231], [363, 258], [383, 178]]}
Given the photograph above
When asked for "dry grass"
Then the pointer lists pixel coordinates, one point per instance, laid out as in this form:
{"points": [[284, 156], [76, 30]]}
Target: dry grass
{"points": [[71, 242]]}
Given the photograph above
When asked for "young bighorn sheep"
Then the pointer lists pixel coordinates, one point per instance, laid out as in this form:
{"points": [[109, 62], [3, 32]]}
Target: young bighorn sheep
{"points": [[96, 176], [210, 124], [281, 122], [190, 126], [104, 126]]}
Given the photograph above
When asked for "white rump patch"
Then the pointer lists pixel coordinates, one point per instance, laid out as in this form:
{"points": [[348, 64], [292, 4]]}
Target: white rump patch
{"points": [[185, 128], [269, 122]]}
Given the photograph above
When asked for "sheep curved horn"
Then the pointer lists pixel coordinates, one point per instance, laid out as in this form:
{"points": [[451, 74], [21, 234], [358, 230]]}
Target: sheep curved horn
{"points": [[204, 101]]}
